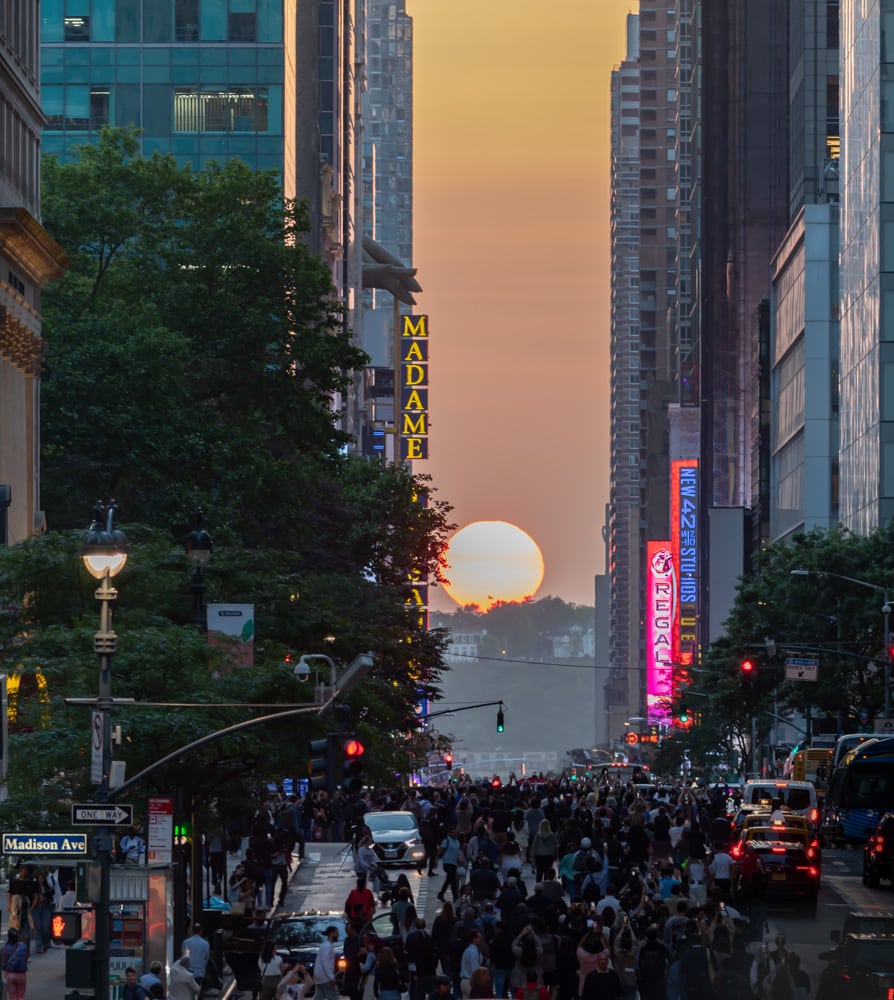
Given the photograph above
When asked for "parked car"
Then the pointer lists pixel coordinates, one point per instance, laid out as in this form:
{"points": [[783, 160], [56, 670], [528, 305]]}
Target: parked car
{"points": [[861, 968], [397, 841], [878, 853], [864, 922]]}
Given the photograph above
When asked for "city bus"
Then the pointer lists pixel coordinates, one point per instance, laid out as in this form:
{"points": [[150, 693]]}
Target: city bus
{"points": [[861, 790]]}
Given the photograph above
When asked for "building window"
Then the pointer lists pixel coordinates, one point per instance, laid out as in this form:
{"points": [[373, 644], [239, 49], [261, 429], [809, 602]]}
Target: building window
{"points": [[186, 20], [238, 109], [99, 107], [242, 27], [77, 28]]}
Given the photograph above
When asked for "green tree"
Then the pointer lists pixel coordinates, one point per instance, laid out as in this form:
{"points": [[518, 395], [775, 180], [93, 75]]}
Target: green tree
{"points": [[778, 613], [194, 347]]}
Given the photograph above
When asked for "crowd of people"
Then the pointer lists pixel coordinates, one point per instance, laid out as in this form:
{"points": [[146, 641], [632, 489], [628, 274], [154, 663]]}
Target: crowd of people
{"points": [[552, 891]]}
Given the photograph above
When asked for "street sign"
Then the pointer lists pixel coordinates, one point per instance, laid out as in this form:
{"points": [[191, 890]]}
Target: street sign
{"points": [[66, 845], [884, 726], [96, 747], [160, 833], [801, 668], [101, 814]]}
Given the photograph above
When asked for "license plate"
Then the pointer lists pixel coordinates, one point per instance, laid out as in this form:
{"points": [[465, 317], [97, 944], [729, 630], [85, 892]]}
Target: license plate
{"points": [[390, 854], [778, 878]]}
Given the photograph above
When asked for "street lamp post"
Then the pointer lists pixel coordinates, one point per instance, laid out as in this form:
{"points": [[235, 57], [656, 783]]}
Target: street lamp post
{"points": [[886, 614], [104, 554], [198, 547]]}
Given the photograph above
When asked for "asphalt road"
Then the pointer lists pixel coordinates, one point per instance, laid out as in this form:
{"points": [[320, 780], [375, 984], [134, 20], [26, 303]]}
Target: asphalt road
{"points": [[326, 877]]}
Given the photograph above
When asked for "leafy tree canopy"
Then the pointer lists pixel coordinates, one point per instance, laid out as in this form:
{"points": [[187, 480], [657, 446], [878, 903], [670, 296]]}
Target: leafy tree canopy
{"points": [[779, 613], [194, 350]]}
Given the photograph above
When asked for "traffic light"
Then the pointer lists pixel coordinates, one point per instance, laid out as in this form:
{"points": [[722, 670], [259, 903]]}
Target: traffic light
{"points": [[448, 761], [65, 928], [352, 765], [747, 673], [323, 765], [684, 712], [500, 721]]}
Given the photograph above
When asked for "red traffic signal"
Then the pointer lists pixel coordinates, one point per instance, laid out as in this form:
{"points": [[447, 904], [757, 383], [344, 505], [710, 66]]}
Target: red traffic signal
{"points": [[353, 748], [747, 668], [448, 761], [65, 928]]}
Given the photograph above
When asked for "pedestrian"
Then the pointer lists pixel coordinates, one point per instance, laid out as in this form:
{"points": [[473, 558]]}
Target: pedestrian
{"points": [[543, 847], [481, 985], [449, 854], [652, 961], [151, 980], [183, 982], [291, 986], [472, 958], [324, 967], [603, 982], [502, 959], [387, 980], [360, 906], [422, 961], [133, 988], [43, 913], [199, 951], [14, 957], [528, 952]]}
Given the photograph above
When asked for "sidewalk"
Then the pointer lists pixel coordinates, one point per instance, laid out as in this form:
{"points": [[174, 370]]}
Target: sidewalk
{"points": [[46, 972]]}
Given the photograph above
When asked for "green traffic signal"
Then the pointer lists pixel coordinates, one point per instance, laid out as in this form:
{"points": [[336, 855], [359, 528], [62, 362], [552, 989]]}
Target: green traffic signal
{"points": [[500, 721]]}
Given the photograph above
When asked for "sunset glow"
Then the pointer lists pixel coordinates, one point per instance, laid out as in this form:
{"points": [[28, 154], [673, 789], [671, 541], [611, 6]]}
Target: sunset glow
{"points": [[492, 562]]}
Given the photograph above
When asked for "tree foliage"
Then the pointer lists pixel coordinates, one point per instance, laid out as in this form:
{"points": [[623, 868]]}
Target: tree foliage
{"points": [[194, 351], [779, 613]]}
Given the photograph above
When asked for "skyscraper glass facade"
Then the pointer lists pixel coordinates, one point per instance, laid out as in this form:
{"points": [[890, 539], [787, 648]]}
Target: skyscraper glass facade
{"points": [[203, 79]]}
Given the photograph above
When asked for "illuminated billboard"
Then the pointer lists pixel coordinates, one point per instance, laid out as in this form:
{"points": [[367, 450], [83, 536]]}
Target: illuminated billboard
{"points": [[684, 549], [413, 400], [661, 602]]}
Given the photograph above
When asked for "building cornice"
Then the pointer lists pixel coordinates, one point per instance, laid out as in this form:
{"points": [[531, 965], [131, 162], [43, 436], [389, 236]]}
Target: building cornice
{"points": [[30, 246]]}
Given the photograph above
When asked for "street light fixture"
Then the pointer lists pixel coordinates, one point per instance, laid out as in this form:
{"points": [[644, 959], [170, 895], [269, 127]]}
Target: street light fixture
{"points": [[886, 614], [104, 553]]}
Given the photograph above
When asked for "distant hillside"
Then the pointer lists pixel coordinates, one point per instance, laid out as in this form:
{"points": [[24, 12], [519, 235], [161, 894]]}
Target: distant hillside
{"points": [[526, 629]]}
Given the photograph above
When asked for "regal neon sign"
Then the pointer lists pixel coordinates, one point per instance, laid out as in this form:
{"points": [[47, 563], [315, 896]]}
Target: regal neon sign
{"points": [[660, 617]]}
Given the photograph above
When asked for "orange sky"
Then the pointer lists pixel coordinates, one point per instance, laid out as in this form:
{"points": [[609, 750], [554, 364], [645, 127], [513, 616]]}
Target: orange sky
{"points": [[511, 239]]}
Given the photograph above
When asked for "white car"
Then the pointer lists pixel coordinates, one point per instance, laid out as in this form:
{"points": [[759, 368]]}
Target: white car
{"points": [[396, 838]]}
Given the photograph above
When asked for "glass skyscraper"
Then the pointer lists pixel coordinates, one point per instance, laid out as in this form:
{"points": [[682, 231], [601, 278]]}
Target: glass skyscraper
{"points": [[204, 80]]}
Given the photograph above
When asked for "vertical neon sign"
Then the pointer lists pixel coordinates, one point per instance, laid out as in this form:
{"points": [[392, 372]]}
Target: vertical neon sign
{"points": [[660, 619], [684, 547]]}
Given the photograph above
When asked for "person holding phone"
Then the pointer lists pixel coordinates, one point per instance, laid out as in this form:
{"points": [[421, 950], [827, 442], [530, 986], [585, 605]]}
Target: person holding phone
{"points": [[291, 986]]}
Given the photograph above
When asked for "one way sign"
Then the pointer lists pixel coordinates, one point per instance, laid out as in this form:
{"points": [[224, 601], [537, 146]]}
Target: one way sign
{"points": [[100, 814]]}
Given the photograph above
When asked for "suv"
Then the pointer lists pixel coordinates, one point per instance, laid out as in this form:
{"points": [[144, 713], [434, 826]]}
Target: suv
{"points": [[878, 922], [878, 853], [861, 968], [396, 839], [799, 796]]}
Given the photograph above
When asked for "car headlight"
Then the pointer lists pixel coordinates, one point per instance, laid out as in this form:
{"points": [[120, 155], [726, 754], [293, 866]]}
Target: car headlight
{"points": [[414, 842]]}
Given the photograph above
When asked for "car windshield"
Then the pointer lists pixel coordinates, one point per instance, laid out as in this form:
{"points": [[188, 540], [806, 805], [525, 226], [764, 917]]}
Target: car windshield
{"points": [[300, 932], [378, 822]]}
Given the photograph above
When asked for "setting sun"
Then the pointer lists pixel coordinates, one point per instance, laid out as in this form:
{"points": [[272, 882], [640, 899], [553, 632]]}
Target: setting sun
{"points": [[491, 562]]}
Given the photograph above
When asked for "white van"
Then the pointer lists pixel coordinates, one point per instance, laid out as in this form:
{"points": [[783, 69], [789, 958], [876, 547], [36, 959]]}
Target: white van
{"points": [[799, 796]]}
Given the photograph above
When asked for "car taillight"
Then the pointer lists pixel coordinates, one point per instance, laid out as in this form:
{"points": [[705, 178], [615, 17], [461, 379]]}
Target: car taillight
{"points": [[814, 815], [879, 845], [736, 852], [811, 853], [777, 850]]}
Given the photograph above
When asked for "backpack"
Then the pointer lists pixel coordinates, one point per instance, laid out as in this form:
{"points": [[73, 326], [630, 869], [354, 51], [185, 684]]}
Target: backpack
{"points": [[652, 965], [15, 959]]}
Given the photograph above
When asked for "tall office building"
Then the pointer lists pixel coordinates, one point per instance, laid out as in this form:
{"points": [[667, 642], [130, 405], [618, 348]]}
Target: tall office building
{"points": [[867, 265], [798, 404], [623, 548], [29, 259]]}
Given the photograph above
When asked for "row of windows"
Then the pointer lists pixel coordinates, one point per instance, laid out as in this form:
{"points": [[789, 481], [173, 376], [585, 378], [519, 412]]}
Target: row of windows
{"points": [[160, 21], [71, 58], [19, 155], [211, 109]]}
